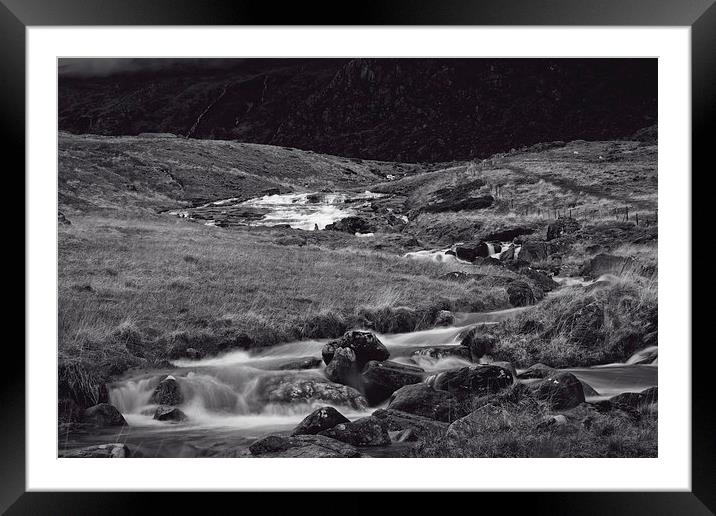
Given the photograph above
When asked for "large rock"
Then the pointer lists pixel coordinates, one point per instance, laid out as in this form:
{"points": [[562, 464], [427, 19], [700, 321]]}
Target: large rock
{"points": [[475, 380], [343, 367], [422, 400], [478, 343], [100, 451], [299, 388], [534, 251], [165, 413], [444, 318], [520, 293], [543, 281], [507, 254], [606, 264], [561, 390], [486, 419], [168, 392], [422, 427], [364, 344], [102, 415], [562, 226], [508, 234], [351, 225], [366, 431], [319, 420], [381, 379], [302, 446], [469, 252]]}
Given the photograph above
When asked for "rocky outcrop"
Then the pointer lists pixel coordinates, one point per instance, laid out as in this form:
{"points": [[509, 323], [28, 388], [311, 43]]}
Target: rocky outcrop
{"points": [[100, 451], [302, 446], [381, 379], [422, 399], [607, 264], [469, 252], [562, 226], [544, 282], [297, 388], [520, 293], [364, 344], [351, 225], [366, 431], [534, 251], [560, 390], [319, 420], [102, 415], [168, 392], [165, 413], [475, 380]]}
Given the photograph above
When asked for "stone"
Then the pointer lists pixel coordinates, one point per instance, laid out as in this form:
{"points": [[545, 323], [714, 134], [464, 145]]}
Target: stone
{"points": [[299, 388], [165, 413], [520, 294], [478, 343], [447, 351], [302, 446], [422, 399], [381, 379], [561, 390], [444, 318], [103, 414], [422, 427], [100, 451], [364, 344], [475, 380], [319, 420], [366, 431], [343, 368], [534, 251], [168, 392], [300, 363]]}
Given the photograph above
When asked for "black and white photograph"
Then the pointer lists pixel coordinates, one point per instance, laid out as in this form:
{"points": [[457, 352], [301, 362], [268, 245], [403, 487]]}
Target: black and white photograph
{"points": [[357, 257]]}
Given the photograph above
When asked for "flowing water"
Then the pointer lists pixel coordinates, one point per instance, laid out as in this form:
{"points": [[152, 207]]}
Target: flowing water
{"points": [[233, 399]]}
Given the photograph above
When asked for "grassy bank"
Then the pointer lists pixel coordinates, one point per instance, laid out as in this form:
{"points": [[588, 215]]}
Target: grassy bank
{"points": [[140, 285]]}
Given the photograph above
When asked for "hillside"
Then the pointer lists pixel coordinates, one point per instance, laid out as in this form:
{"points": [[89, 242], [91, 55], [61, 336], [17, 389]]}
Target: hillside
{"points": [[386, 109]]}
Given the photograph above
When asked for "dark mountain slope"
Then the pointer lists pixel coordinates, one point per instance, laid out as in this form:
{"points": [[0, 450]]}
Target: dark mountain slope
{"points": [[389, 109]]}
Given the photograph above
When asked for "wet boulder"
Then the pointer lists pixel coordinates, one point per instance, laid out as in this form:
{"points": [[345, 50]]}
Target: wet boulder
{"points": [[100, 451], [485, 419], [166, 413], [319, 420], [102, 415], [420, 426], [475, 380], [300, 388], [168, 392], [561, 390], [469, 252], [422, 399], [302, 446], [364, 344], [381, 379], [544, 282], [537, 370], [343, 368], [351, 225], [507, 254], [520, 294], [478, 343], [366, 431], [562, 226]]}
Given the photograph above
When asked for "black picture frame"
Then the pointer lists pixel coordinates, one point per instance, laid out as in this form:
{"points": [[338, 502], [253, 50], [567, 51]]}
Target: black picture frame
{"points": [[700, 15]]}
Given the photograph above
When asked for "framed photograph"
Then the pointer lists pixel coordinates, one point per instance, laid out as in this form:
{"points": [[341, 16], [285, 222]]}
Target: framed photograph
{"points": [[431, 243]]}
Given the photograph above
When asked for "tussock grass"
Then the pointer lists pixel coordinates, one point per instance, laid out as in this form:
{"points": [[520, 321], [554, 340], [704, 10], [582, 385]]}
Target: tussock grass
{"points": [[514, 430], [559, 332]]}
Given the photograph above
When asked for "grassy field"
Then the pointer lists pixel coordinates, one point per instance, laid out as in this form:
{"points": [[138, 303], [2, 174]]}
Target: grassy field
{"points": [[163, 275]]}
